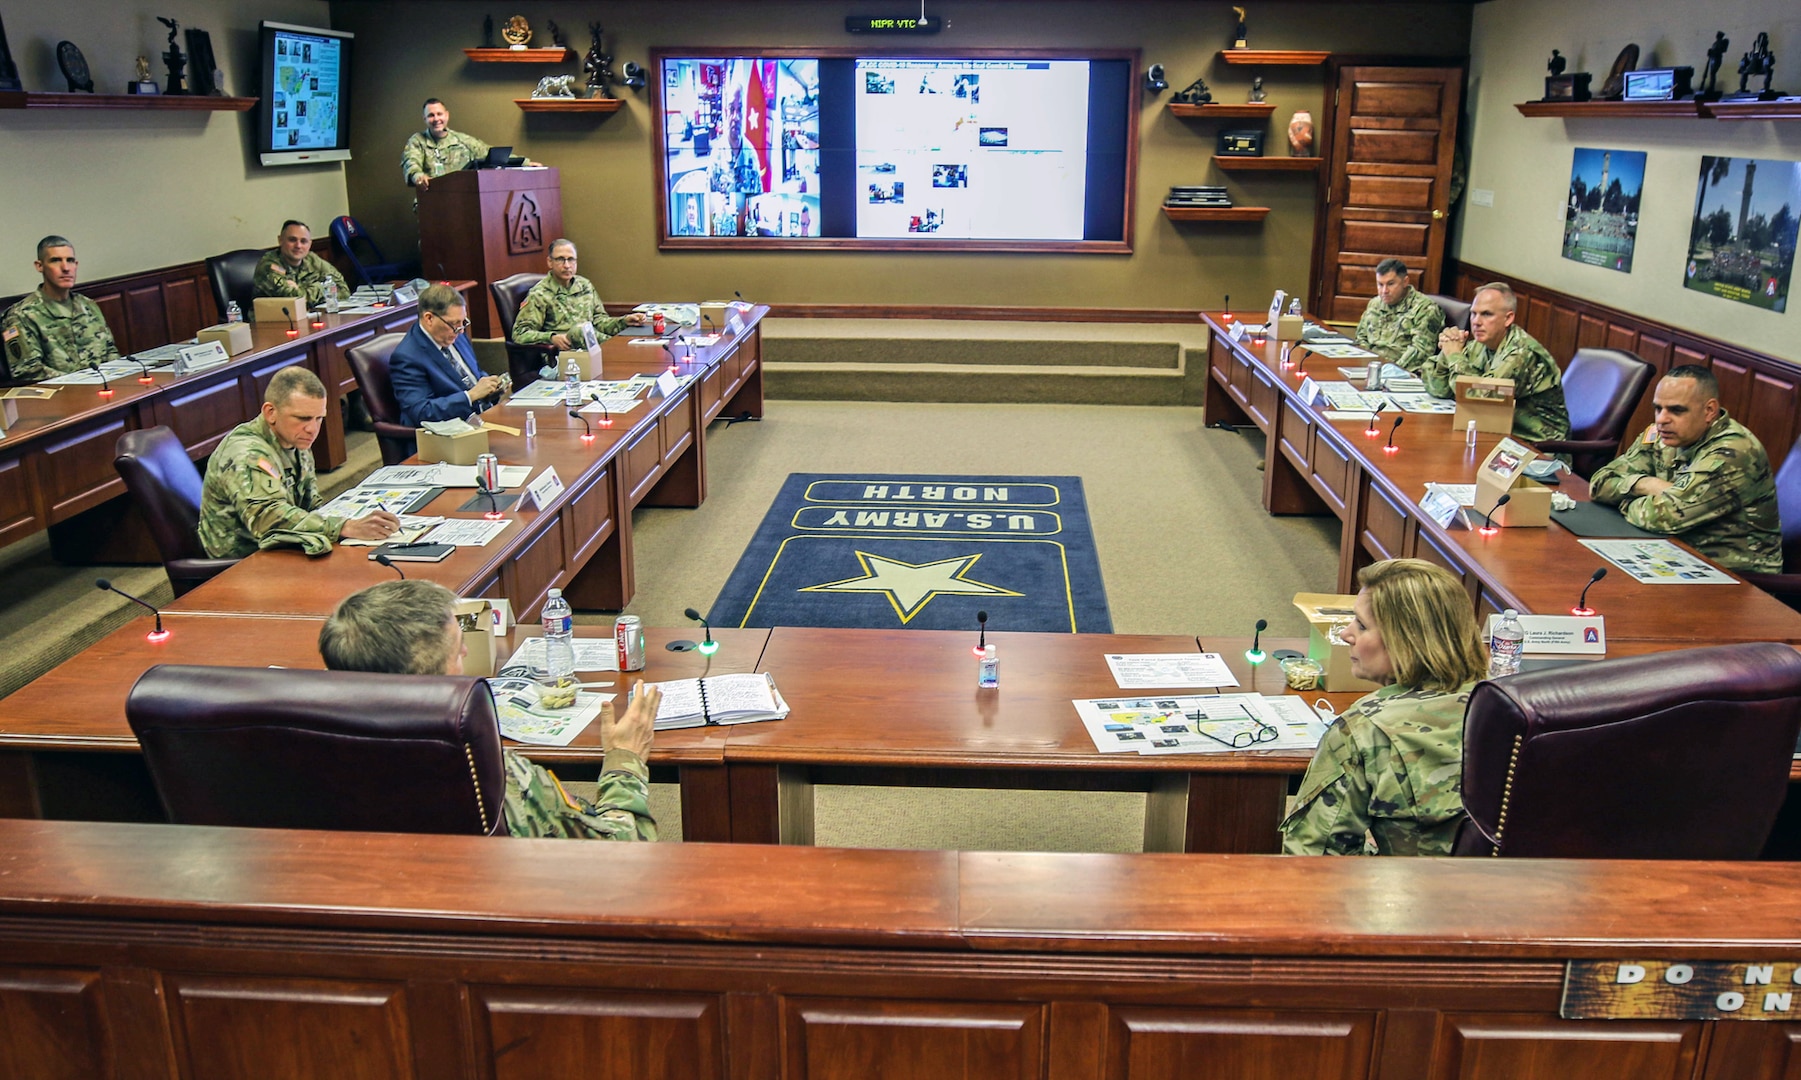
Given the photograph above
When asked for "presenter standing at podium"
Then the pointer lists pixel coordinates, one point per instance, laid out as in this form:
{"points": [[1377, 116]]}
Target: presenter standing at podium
{"points": [[437, 150]]}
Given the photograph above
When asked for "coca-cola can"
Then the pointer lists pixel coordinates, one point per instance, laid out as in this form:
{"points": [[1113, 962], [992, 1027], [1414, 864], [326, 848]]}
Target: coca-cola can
{"points": [[628, 635], [657, 324], [487, 470]]}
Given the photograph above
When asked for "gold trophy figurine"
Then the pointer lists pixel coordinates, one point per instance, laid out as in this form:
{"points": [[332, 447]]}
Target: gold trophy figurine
{"points": [[143, 83], [516, 33]]}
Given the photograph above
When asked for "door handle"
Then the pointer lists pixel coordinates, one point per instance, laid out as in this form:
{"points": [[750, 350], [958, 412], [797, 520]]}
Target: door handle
{"points": [[1436, 214]]}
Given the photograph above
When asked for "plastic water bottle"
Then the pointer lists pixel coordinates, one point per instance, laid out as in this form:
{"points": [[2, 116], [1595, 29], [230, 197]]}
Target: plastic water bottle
{"points": [[1294, 306], [572, 383], [234, 313], [331, 296], [1505, 644], [559, 639], [1469, 435], [988, 671], [531, 424]]}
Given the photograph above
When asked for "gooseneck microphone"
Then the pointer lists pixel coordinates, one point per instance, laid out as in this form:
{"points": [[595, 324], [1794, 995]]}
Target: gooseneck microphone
{"points": [[606, 417], [1391, 447], [105, 387], [382, 557], [707, 647], [982, 635], [1255, 653], [144, 368], [1582, 607], [587, 428], [1488, 519], [157, 634], [481, 484]]}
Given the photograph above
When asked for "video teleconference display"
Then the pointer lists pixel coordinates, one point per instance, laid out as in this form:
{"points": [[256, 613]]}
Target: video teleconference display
{"points": [[895, 148], [304, 111]]}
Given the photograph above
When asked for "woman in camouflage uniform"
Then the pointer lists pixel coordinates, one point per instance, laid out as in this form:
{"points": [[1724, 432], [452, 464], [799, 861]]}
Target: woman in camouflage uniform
{"points": [[1388, 775]]}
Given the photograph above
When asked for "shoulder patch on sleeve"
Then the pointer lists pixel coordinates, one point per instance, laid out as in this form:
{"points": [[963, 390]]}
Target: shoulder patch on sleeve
{"points": [[263, 464], [1651, 435]]}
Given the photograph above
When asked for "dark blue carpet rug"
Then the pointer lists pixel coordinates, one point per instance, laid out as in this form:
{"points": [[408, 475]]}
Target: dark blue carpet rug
{"points": [[925, 552]]}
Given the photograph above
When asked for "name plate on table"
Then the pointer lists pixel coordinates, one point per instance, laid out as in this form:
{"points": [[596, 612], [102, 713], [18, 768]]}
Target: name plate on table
{"points": [[1675, 990], [1237, 332], [546, 487], [1441, 507], [405, 294], [1561, 635], [200, 357], [1309, 391], [667, 384]]}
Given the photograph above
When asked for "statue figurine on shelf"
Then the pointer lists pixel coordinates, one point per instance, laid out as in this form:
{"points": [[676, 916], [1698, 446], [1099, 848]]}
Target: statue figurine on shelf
{"points": [[556, 35], [518, 32], [1257, 94], [487, 31], [598, 65], [1557, 64], [1708, 89], [1759, 61], [555, 86], [9, 72], [1238, 39], [1195, 93], [173, 59], [143, 83]]}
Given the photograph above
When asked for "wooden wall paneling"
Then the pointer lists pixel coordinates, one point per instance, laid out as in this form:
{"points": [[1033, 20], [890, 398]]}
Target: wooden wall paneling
{"points": [[1330, 466], [1560, 338], [139, 1040], [1149, 1043], [753, 1032], [1384, 525], [643, 458], [112, 309], [201, 415], [1538, 315], [1591, 332], [1735, 384], [182, 309], [146, 317], [231, 1027], [1504, 1047], [50, 1023], [1753, 1051], [1077, 1040], [1624, 338], [854, 1039], [525, 1033], [1771, 413], [538, 567], [21, 508]]}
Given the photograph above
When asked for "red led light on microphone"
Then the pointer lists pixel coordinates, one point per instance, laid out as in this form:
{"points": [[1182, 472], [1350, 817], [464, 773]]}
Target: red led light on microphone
{"points": [[157, 635], [108, 392], [291, 332], [1583, 612], [145, 379], [608, 422], [589, 437], [493, 515], [1391, 448], [1489, 530]]}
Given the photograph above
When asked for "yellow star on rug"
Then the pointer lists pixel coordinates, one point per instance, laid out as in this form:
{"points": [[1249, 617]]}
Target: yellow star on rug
{"points": [[911, 586]]}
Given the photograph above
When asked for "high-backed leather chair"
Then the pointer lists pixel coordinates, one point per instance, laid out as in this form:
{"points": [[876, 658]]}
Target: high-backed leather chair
{"points": [[1678, 755], [1457, 312], [524, 361], [372, 267], [284, 749], [165, 486], [1786, 586], [234, 278], [369, 363], [1602, 388]]}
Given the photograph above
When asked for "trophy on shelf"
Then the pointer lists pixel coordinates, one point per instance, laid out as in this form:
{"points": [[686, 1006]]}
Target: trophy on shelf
{"points": [[487, 31], [1561, 87], [143, 84], [1759, 61], [9, 71], [1195, 93], [517, 33], [173, 59], [598, 65], [74, 67], [1238, 35]]}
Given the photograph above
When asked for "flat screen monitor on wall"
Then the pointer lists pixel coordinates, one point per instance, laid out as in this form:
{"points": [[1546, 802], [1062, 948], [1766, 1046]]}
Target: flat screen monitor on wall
{"points": [[988, 151], [304, 115]]}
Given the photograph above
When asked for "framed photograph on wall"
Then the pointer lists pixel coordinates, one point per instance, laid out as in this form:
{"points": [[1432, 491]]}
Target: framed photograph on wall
{"points": [[1600, 224], [1741, 242]]}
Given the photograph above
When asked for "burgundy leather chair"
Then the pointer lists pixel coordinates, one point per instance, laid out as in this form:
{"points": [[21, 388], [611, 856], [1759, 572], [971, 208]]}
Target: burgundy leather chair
{"points": [[524, 361], [165, 486], [369, 363], [1457, 312], [1678, 755], [233, 276], [1786, 586], [1602, 388], [278, 748]]}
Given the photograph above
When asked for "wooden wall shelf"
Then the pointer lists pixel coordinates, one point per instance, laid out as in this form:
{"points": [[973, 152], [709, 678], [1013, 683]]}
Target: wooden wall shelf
{"points": [[1250, 110], [520, 56], [33, 99], [581, 105], [1290, 57], [1216, 213], [1754, 110], [1668, 110], [1232, 163]]}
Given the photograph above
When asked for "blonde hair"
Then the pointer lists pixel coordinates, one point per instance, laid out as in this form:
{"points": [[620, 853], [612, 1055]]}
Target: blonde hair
{"points": [[1427, 623]]}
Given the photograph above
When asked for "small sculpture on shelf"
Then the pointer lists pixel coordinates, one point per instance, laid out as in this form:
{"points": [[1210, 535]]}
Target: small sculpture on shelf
{"points": [[518, 32], [1557, 64], [556, 35], [1300, 134], [1709, 87], [1615, 87], [1238, 35], [555, 86], [1562, 87], [143, 83], [173, 59], [1759, 61], [1195, 93], [598, 65], [1257, 95], [487, 31], [74, 67], [9, 72]]}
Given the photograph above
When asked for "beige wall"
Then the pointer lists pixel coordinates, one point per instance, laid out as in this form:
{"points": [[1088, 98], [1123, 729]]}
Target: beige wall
{"points": [[1526, 163], [409, 51], [140, 190]]}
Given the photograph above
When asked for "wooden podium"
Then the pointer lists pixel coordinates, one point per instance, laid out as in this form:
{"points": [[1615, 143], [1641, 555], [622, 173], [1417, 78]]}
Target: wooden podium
{"points": [[487, 224]]}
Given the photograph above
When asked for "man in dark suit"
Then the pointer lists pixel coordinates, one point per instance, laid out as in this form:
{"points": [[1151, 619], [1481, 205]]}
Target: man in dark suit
{"points": [[433, 368]]}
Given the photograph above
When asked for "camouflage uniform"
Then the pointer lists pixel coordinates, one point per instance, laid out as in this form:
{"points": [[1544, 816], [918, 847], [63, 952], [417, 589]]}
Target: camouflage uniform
{"points": [[306, 280], [429, 157], [1723, 502], [550, 308], [1391, 766], [45, 337], [1538, 408], [257, 495], [538, 806], [1405, 334]]}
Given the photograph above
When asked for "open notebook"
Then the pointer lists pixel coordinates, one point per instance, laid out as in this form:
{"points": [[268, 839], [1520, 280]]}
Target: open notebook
{"points": [[719, 699]]}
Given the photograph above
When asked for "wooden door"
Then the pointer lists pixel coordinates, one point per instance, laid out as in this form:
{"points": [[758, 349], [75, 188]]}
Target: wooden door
{"points": [[1393, 134]]}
